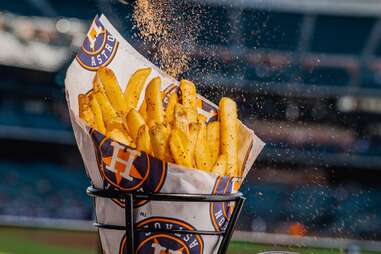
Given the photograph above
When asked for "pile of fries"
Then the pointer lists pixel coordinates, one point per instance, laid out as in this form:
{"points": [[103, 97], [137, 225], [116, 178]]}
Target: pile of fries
{"points": [[176, 133]]}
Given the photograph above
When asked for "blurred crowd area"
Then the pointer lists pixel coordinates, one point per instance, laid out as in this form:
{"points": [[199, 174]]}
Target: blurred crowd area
{"points": [[307, 79], [293, 203]]}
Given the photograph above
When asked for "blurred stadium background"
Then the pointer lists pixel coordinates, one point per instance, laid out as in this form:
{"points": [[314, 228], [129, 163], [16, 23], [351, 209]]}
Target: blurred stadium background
{"points": [[306, 75]]}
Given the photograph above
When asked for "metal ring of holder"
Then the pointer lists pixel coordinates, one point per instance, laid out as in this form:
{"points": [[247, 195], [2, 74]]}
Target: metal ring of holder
{"points": [[174, 197]]}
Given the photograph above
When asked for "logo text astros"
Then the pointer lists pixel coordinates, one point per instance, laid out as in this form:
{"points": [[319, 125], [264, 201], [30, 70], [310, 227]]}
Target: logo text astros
{"points": [[165, 243], [98, 48], [220, 212]]}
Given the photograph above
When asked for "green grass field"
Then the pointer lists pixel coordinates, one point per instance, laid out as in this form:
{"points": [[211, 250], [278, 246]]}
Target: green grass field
{"points": [[35, 241]]}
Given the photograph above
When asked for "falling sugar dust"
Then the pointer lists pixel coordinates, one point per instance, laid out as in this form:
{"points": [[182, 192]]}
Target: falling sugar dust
{"points": [[170, 27]]}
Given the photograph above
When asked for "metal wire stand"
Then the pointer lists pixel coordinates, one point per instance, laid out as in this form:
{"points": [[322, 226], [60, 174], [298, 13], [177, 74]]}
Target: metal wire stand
{"points": [[130, 227]]}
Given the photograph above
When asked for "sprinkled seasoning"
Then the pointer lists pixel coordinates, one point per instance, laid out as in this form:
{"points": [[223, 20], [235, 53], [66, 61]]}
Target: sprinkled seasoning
{"points": [[170, 26]]}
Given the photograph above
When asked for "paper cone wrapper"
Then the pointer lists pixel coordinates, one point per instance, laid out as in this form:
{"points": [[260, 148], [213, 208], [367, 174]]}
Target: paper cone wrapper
{"points": [[104, 46]]}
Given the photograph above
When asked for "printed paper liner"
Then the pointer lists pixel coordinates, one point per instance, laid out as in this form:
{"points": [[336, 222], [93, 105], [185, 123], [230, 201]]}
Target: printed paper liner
{"points": [[104, 46]]}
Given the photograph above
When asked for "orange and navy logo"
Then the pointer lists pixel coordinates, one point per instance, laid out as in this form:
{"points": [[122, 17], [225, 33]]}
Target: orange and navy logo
{"points": [[165, 243], [98, 48], [126, 169], [220, 212]]}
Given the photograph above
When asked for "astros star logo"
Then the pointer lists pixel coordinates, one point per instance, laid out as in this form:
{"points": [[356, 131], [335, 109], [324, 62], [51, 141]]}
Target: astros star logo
{"points": [[98, 48], [94, 31]]}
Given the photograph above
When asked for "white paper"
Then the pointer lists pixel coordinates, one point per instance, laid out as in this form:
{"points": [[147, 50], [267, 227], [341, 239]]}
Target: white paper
{"points": [[104, 46]]}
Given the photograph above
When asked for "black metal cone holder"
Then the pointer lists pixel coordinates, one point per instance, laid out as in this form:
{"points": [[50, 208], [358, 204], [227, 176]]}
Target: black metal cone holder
{"points": [[129, 213]]}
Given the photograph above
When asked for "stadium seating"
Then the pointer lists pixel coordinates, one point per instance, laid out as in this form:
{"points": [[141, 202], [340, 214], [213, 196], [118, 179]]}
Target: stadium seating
{"points": [[331, 76], [43, 190], [50, 190], [79, 9], [21, 7], [311, 204], [271, 30], [215, 28], [19, 117], [347, 34], [267, 72], [326, 210]]}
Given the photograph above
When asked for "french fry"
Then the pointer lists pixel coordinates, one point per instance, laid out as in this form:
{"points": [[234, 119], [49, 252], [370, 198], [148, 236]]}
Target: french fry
{"points": [[192, 114], [121, 136], [180, 148], [85, 111], [188, 93], [143, 140], [193, 132], [135, 86], [143, 110], [181, 118], [199, 103], [229, 134], [83, 102], [189, 99], [111, 118], [213, 138], [170, 110], [155, 111], [99, 123], [134, 122], [219, 167], [201, 153], [201, 118], [168, 154], [112, 88], [159, 135], [176, 134], [97, 85]]}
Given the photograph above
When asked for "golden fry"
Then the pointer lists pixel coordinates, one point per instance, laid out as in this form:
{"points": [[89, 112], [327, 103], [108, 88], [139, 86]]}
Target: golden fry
{"points": [[193, 132], [99, 123], [155, 110], [108, 112], [201, 118], [199, 103], [85, 111], [159, 135], [143, 140], [134, 122], [178, 133], [201, 153], [229, 134], [192, 114], [213, 138], [180, 148], [112, 88], [181, 118], [135, 86], [170, 110], [219, 167], [188, 93], [97, 85], [121, 136], [143, 110], [110, 117], [83, 102]]}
